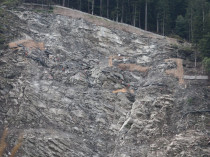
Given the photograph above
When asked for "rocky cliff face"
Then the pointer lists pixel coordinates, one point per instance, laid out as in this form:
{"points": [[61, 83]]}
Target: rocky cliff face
{"points": [[73, 88]]}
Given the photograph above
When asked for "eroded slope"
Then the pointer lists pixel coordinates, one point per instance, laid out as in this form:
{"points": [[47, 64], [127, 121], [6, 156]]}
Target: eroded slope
{"points": [[73, 88]]}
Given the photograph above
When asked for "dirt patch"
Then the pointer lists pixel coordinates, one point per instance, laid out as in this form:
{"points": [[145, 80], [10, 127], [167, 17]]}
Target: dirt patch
{"points": [[123, 90], [30, 44], [179, 72], [128, 67], [133, 67]]}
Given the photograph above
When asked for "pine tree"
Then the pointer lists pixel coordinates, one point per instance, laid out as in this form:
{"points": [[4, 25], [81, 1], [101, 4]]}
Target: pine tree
{"points": [[205, 46], [181, 27], [163, 15]]}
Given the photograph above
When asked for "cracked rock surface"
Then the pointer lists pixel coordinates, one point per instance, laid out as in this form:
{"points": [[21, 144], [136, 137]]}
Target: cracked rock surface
{"points": [[97, 92]]}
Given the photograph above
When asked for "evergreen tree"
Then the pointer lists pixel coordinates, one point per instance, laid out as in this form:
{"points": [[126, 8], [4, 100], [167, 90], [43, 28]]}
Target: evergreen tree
{"points": [[163, 15], [181, 27]]}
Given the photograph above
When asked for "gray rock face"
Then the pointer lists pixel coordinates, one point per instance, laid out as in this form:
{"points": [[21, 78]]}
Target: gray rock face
{"points": [[75, 89]]}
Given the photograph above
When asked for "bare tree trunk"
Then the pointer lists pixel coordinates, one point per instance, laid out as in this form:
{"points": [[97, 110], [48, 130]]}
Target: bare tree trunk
{"points": [[146, 16], [128, 17], [157, 23], [93, 7], [189, 32], [191, 24], [134, 18], [80, 4], [101, 1], [64, 3], [107, 9], [203, 13], [195, 58], [164, 23], [195, 55], [88, 6], [117, 10], [139, 18], [122, 16]]}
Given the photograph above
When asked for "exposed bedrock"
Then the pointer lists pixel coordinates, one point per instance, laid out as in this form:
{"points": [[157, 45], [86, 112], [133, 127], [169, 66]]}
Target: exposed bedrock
{"points": [[76, 89]]}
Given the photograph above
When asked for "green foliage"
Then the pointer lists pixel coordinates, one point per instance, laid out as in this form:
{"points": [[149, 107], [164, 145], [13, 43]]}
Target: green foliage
{"points": [[176, 36], [204, 45], [186, 49], [198, 29], [190, 101], [206, 62], [9, 3], [174, 46], [181, 27], [43, 11], [207, 23]]}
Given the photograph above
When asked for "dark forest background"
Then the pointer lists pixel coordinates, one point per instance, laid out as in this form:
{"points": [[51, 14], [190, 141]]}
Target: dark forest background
{"points": [[183, 19]]}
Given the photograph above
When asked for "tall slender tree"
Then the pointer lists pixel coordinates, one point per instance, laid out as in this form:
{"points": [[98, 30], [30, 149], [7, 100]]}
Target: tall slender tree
{"points": [[122, 11], [80, 4], [88, 6], [117, 10], [64, 3], [93, 1], [146, 14], [101, 7], [107, 9], [134, 15], [157, 26]]}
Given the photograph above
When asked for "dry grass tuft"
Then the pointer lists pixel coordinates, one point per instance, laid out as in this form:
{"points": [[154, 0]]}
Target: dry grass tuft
{"points": [[133, 67]]}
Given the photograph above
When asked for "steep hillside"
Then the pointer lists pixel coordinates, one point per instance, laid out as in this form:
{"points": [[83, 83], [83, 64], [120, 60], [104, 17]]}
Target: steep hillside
{"points": [[75, 85]]}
